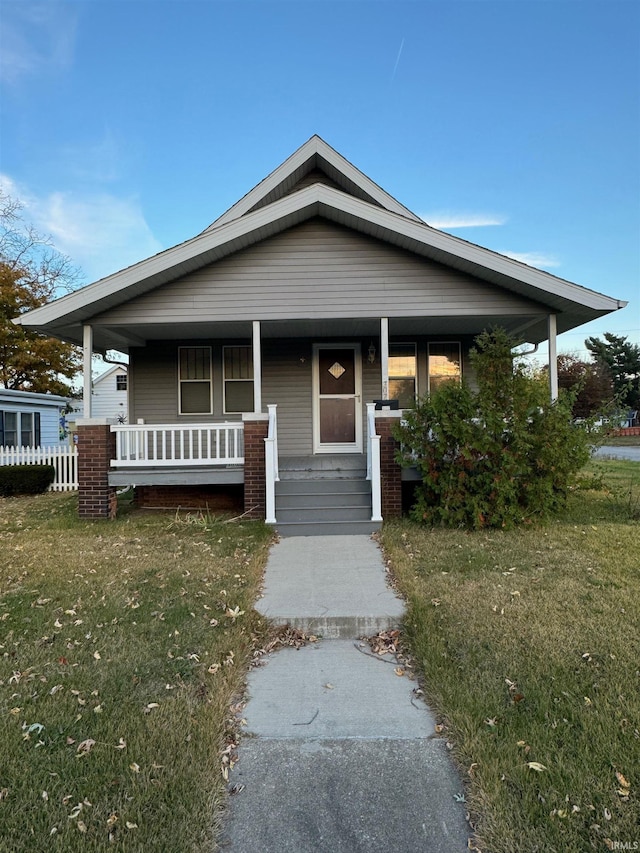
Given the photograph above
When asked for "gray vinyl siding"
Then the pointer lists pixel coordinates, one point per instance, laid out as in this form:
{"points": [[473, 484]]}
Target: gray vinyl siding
{"points": [[286, 381], [314, 270]]}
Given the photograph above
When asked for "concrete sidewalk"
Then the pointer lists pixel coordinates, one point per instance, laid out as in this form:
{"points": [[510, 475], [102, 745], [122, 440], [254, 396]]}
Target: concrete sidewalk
{"points": [[342, 754]]}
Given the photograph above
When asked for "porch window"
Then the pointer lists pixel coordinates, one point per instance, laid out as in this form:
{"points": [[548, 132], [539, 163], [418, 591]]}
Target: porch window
{"points": [[238, 379], [195, 380], [19, 429], [445, 364], [402, 374]]}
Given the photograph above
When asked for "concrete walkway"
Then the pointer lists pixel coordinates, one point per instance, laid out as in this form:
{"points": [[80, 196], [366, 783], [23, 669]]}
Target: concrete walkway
{"points": [[340, 755]]}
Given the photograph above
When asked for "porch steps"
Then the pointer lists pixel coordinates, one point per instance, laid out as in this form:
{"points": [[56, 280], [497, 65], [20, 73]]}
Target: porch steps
{"points": [[325, 496]]}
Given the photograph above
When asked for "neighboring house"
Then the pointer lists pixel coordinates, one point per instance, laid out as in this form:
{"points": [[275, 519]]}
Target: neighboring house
{"points": [[318, 293], [28, 419], [108, 396]]}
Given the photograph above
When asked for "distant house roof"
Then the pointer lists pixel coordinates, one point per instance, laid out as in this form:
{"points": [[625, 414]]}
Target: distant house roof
{"points": [[316, 181], [31, 398]]}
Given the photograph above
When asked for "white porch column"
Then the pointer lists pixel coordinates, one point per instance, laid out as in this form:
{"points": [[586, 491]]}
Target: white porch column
{"points": [[87, 352], [257, 368], [384, 356], [553, 357]]}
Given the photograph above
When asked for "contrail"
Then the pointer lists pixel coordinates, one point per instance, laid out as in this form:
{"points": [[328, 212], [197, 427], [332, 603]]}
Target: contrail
{"points": [[395, 67]]}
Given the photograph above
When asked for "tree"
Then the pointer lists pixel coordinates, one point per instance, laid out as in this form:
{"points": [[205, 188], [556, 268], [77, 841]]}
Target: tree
{"points": [[32, 272], [591, 381], [623, 360]]}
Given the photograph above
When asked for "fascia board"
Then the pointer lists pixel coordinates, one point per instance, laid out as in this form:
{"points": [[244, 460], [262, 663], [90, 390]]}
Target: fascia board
{"points": [[314, 146], [335, 205], [172, 263], [450, 250]]}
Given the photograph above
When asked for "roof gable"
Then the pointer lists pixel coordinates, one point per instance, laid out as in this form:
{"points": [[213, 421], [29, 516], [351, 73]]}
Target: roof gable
{"points": [[313, 162]]}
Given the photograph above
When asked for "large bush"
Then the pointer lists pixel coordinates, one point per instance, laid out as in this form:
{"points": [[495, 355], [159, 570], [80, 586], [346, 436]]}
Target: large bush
{"points": [[495, 456], [25, 479]]}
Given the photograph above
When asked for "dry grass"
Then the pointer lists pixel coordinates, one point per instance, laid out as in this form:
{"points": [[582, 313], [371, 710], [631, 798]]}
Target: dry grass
{"points": [[528, 643], [122, 647]]}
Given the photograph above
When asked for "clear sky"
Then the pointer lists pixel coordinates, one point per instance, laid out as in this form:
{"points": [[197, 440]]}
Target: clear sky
{"points": [[128, 126]]}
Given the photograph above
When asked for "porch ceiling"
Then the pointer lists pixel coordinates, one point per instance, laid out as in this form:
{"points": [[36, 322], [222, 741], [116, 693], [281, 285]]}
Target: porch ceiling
{"points": [[531, 328]]}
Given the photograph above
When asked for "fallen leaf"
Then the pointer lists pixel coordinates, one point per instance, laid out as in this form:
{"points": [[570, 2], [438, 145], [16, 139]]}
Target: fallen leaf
{"points": [[131, 825], [535, 765], [623, 782], [122, 744], [135, 767], [399, 671], [328, 686], [148, 708], [82, 826], [97, 655], [86, 746]]}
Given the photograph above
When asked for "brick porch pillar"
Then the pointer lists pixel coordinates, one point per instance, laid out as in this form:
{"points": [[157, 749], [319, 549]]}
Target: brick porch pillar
{"points": [[255, 431], [96, 449], [390, 471]]}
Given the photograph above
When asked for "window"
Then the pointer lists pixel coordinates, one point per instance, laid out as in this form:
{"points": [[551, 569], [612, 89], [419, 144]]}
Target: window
{"points": [[238, 379], [445, 364], [121, 383], [402, 374], [194, 372], [19, 429]]}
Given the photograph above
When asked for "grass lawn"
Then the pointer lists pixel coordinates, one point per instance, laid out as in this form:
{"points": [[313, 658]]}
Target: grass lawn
{"points": [[528, 644], [122, 647]]}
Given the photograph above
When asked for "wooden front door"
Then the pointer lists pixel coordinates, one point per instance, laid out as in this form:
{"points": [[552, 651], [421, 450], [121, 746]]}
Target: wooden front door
{"points": [[337, 398]]}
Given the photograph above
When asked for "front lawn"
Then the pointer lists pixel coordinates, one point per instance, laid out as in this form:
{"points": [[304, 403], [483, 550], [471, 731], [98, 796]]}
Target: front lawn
{"points": [[528, 644], [122, 647]]}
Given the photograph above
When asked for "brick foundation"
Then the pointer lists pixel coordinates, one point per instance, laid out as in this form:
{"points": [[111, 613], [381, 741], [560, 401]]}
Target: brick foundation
{"points": [[214, 498], [635, 430], [390, 471], [255, 433], [96, 449]]}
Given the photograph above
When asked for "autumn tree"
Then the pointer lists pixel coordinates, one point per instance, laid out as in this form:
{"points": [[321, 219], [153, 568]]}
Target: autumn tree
{"points": [[623, 360], [32, 273], [591, 381]]}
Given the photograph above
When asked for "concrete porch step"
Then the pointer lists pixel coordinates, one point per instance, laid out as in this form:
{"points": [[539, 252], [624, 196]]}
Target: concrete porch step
{"points": [[326, 528], [325, 485], [323, 499], [333, 513]]}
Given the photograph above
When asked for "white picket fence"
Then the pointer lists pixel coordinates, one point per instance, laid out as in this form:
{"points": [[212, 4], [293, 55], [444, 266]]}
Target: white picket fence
{"points": [[63, 459]]}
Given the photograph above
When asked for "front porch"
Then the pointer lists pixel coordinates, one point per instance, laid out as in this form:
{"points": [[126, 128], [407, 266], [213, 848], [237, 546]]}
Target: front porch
{"points": [[316, 493]]}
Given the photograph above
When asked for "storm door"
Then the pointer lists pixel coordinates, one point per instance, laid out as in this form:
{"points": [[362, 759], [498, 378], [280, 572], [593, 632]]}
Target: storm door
{"points": [[337, 390]]}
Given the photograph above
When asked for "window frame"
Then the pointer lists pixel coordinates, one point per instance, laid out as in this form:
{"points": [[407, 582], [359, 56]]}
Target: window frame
{"points": [[121, 382], [442, 343], [34, 431], [225, 379], [182, 381]]}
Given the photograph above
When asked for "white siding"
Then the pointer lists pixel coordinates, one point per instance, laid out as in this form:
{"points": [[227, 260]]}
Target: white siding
{"points": [[106, 400]]}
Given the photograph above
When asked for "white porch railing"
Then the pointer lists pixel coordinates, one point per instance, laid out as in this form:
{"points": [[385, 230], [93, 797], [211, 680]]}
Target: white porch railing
{"points": [[271, 465], [373, 463], [63, 458], [151, 445]]}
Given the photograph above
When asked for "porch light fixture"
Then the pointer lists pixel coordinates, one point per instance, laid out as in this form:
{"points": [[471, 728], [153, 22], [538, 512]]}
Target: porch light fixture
{"points": [[371, 352]]}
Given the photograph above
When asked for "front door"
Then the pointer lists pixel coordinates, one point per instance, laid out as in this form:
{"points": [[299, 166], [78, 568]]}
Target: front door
{"points": [[337, 406]]}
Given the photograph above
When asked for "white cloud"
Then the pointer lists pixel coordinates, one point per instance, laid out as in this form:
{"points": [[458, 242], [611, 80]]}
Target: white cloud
{"points": [[101, 233], [445, 219], [37, 37], [534, 259]]}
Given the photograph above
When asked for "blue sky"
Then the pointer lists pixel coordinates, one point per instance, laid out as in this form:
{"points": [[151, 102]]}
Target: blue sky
{"points": [[127, 126]]}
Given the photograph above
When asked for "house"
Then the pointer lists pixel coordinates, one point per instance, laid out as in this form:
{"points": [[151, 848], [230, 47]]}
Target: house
{"points": [[108, 397], [29, 419], [258, 348]]}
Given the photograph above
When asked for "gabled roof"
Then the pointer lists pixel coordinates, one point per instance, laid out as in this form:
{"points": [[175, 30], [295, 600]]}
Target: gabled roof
{"points": [[315, 156], [349, 199]]}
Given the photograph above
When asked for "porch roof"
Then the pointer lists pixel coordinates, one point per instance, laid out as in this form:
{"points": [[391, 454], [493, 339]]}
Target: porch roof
{"points": [[246, 224]]}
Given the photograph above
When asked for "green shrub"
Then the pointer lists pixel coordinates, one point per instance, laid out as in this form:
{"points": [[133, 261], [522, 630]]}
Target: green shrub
{"points": [[496, 456], [25, 479]]}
